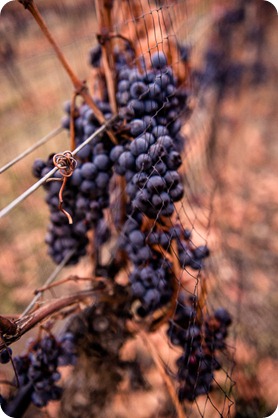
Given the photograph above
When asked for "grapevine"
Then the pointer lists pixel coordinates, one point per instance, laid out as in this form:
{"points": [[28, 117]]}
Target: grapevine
{"points": [[120, 191]]}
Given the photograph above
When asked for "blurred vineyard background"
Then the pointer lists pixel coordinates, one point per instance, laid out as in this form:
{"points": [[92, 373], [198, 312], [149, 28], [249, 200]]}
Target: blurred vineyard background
{"points": [[230, 165]]}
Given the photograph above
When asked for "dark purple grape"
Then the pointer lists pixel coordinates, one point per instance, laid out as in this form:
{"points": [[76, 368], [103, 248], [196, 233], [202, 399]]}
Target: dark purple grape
{"points": [[154, 90], [5, 355], [172, 179], [58, 217], [158, 60], [157, 151], [196, 264], [95, 56], [129, 175], [223, 316], [135, 107], [138, 89], [123, 98], [137, 127], [102, 162], [185, 257], [201, 252], [123, 86], [80, 228], [176, 193], [153, 237], [163, 199], [168, 210], [163, 80], [87, 186], [124, 73], [142, 199], [138, 290], [116, 152], [151, 297], [184, 51], [150, 121], [134, 75], [175, 128], [65, 122], [67, 106], [89, 171], [173, 160], [150, 106], [149, 138], [82, 203], [156, 184], [85, 152], [131, 190], [170, 90], [126, 160], [76, 178], [102, 180], [164, 239], [143, 162], [160, 168], [137, 238], [139, 146], [160, 130], [166, 141], [37, 168], [187, 234], [139, 179]]}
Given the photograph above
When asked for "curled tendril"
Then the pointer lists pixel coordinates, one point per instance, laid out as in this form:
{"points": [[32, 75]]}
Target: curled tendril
{"points": [[66, 165]]}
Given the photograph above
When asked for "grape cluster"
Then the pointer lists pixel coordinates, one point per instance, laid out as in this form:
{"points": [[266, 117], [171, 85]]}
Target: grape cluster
{"points": [[222, 69], [40, 367], [86, 192], [152, 98], [200, 341], [61, 236], [190, 255], [151, 104]]}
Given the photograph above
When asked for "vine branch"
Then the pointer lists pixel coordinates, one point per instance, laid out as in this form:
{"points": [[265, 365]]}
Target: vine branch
{"points": [[24, 324], [80, 87]]}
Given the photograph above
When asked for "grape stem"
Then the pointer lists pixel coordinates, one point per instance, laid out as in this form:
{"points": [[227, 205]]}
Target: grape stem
{"points": [[72, 117], [202, 299], [146, 338], [73, 278]]}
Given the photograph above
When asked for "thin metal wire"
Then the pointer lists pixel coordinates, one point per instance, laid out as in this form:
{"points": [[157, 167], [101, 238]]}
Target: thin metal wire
{"points": [[50, 279], [28, 151], [39, 183]]}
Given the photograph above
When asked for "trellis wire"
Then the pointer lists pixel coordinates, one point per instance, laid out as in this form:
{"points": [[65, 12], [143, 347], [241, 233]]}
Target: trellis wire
{"points": [[32, 148], [39, 183], [49, 280]]}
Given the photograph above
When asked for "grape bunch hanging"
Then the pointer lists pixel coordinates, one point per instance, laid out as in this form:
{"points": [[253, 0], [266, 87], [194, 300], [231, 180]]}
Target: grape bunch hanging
{"points": [[121, 192]]}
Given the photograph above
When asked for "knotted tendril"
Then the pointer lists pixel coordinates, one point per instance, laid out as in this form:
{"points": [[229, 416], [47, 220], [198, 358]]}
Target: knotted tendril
{"points": [[66, 165]]}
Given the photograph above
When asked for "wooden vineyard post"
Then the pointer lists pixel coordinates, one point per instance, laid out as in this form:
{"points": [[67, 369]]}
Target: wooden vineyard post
{"points": [[104, 18]]}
